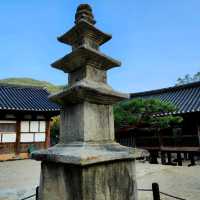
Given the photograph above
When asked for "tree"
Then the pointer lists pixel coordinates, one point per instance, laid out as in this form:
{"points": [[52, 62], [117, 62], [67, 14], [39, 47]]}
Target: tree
{"points": [[134, 112], [145, 113], [188, 79], [55, 129]]}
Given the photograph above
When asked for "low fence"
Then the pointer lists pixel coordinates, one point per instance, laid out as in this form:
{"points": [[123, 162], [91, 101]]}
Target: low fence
{"points": [[36, 195], [33, 195], [157, 193], [155, 190]]}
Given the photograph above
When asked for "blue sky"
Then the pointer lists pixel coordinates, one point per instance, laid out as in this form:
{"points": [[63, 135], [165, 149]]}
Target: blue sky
{"points": [[157, 41]]}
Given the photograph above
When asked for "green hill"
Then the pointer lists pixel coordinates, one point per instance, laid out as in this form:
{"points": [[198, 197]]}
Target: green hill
{"points": [[32, 82]]}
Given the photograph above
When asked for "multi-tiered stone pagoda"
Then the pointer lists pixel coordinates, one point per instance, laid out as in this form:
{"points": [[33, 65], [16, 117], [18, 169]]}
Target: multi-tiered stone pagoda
{"points": [[87, 164]]}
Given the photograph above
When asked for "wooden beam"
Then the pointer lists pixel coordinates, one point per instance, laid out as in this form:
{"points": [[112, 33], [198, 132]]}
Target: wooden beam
{"points": [[153, 157], [163, 158], [180, 149], [185, 156], [48, 132], [169, 158], [198, 133], [160, 137], [192, 159], [179, 159], [156, 191], [17, 146]]}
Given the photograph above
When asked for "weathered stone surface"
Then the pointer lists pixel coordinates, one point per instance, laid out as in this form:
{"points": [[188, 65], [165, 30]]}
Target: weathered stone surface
{"points": [[86, 33], [87, 164], [109, 181], [82, 56], [87, 122], [89, 91], [87, 153], [84, 13], [88, 73]]}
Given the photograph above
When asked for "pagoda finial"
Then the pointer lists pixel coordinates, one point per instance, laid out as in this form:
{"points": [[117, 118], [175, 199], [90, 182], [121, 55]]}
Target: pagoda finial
{"points": [[84, 13]]}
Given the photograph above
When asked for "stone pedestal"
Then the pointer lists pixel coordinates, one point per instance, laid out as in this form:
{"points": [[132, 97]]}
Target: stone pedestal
{"points": [[111, 180], [88, 171], [87, 164]]}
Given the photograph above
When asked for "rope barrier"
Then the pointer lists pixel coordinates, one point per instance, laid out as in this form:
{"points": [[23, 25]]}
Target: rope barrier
{"points": [[163, 193], [169, 195], [28, 197], [143, 190]]}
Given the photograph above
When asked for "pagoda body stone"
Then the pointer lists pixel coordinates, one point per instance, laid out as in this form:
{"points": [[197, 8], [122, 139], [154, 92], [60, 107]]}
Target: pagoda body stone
{"points": [[87, 164]]}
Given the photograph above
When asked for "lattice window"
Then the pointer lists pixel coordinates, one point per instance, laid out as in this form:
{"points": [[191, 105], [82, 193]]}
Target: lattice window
{"points": [[33, 131], [7, 131]]}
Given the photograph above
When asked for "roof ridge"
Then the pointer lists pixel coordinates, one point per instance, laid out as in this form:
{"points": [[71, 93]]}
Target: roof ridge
{"points": [[22, 86], [167, 89]]}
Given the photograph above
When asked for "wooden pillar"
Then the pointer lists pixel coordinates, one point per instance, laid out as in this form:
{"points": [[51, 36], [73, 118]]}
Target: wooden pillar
{"points": [[179, 159], [156, 191], [198, 133], [153, 157], [192, 159], [48, 132], [185, 156], [37, 193], [163, 158], [17, 147], [160, 138], [169, 158]]}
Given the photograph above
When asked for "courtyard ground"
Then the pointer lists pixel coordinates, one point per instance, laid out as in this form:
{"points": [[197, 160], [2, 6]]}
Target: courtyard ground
{"points": [[19, 179], [181, 181]]}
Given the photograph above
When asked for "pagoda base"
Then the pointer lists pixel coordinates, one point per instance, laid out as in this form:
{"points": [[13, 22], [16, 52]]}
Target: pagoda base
{"points": [[88, 171], [113, 180]]}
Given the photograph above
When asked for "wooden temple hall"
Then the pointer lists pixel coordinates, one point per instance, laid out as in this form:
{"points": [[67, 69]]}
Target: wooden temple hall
{"points": [[173, 144], [25, 114]]}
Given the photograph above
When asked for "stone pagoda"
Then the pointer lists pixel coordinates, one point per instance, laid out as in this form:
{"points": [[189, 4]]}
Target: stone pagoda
{"points": [[87, 164]]}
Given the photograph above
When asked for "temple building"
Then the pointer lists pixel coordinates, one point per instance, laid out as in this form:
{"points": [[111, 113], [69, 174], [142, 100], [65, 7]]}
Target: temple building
{"points": [[25, 114], [183, 140]]}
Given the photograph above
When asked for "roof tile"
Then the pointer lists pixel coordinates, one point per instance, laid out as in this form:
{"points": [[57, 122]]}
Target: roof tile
{"points": [[25, 99], [186, 98]]}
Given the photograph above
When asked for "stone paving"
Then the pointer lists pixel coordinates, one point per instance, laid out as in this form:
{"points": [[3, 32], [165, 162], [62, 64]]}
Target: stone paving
{"points": [[18, 179]]}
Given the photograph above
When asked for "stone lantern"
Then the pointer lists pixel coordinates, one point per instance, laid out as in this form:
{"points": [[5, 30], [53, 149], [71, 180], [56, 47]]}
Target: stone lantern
{"points": [[87, 164]]}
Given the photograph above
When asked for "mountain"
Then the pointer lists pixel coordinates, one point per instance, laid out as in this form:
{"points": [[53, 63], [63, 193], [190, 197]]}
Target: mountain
{"points": [[32, 82]]}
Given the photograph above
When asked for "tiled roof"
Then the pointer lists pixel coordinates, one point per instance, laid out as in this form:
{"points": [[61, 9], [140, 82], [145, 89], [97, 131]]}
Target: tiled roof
{"points": [[186, 98], [21, 98]]}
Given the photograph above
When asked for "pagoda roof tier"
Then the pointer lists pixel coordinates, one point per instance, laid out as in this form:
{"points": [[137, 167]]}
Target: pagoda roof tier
{"points": [[85, 91], [83, 56], [84, 29], [79, 153]]}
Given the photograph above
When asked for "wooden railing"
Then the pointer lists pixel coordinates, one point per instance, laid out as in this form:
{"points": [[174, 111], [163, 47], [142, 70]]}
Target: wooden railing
{"points": [[181, 141], [156, 141]]}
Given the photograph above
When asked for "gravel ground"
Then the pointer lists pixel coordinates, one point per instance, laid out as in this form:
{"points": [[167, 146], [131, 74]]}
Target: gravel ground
{"points": [[19, 179]]}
